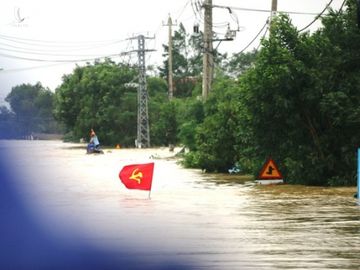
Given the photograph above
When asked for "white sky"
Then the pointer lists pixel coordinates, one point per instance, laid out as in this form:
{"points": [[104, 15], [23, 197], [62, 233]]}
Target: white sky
{"points": [[83, 29]]}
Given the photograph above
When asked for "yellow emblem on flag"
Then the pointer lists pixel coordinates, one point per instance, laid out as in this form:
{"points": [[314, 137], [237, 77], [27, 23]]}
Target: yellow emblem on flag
{"points": [[136, 176]]}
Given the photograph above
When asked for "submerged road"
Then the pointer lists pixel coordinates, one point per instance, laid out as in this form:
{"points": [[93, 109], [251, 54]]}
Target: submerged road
{"points": [[77, 204]]}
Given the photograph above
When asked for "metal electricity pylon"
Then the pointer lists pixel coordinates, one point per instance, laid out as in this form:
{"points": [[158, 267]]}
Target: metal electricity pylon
{"points": [[143, 131]]}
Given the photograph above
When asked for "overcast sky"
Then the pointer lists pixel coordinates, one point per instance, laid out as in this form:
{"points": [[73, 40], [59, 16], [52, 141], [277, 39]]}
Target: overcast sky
{"points": [[36, 34]]}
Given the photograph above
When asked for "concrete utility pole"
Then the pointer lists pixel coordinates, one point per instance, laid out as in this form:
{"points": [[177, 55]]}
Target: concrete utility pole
{"points": [[208, 58], [273, 8], [170, 61], [273, 14], [143, 131]]}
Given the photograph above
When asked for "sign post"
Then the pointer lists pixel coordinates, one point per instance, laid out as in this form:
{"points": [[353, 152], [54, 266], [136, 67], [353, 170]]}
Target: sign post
{"points": [[269, 174]]}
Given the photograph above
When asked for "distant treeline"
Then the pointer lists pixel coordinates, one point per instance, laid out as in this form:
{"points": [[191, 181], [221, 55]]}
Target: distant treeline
{"points": [[31, 111]]}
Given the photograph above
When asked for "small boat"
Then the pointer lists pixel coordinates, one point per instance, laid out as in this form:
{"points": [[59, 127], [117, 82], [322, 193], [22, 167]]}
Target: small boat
{"points": [[91, 149]]}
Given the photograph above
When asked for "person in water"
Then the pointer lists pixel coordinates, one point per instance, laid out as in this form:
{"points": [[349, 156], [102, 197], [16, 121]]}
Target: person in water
{"points": [[94, 143]]}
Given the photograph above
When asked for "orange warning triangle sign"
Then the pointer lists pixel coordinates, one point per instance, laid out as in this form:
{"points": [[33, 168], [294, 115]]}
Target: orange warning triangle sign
{"points": [[270, 171]]}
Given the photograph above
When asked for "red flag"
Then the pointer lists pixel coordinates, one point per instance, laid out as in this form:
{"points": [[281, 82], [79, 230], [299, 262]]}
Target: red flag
{"points": [[137, 176]]}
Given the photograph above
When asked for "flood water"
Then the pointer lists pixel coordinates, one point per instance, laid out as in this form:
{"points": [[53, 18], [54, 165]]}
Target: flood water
{"points": [[208, 221]]}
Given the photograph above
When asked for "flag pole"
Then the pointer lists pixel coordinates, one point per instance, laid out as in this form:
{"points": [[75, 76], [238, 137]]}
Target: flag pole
{"points": [[149, 194]]}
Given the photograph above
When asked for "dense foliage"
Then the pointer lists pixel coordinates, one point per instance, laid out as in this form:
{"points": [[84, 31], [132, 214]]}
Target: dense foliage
{"points": [[103, 96], [304, 100], [31, 112], [9, 127], [298, 103], [99, 96]]}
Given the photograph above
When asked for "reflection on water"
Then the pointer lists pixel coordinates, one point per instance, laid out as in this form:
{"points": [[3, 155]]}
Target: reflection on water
{"points": [[215, 221]]}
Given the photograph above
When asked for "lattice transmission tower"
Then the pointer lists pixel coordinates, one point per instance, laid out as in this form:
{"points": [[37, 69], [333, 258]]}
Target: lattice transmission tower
{"points": [[143, 131]]}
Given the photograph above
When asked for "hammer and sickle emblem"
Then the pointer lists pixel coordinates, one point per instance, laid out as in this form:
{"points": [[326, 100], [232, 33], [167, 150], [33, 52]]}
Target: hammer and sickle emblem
{"points": [[137, 176]]}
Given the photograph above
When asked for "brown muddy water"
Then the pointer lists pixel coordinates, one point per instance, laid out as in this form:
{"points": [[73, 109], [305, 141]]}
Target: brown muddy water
{"points": [[213, 221]]}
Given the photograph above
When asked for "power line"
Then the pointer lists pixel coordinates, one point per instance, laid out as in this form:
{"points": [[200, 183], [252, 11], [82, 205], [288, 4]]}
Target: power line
{"points": [[47, 51], [264, 35], [342, 5], [264, 10], [51, 49], [257, 35], [29, 48], [47, 54], [183, 9], [317, 17], [58, 60], [35, 52], [39, 50], [57, 42], [31, 68]]}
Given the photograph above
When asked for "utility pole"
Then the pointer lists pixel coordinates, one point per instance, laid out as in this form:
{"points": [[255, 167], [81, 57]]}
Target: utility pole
{"points": [[208, 58], [170, 61], [273, 14], [143, 131], [273, 9]]}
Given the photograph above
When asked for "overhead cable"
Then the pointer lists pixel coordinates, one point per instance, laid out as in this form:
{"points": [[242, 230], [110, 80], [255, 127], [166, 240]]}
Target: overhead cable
{"points": [[30, 41], [317, 17], [59, 60], [47, 54], [183, 9], [257, 35], [264, 35], [263, 10]]}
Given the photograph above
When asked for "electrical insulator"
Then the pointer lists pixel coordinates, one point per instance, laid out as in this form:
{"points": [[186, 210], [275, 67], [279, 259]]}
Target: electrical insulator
{"points": [[196, 28]]}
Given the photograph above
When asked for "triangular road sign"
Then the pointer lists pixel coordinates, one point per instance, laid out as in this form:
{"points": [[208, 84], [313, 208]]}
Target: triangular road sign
{"points": [[270, 171]]}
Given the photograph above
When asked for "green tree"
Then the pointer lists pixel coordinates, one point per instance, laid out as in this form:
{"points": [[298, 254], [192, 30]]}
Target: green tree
{"points": [[9, 128], [187, 61], [222, 138], [298, 102], [180, 62], [99, 96], [33, 107], [303, 96], [190, 113], [158, 100], [164, 128], [239, 63]]}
